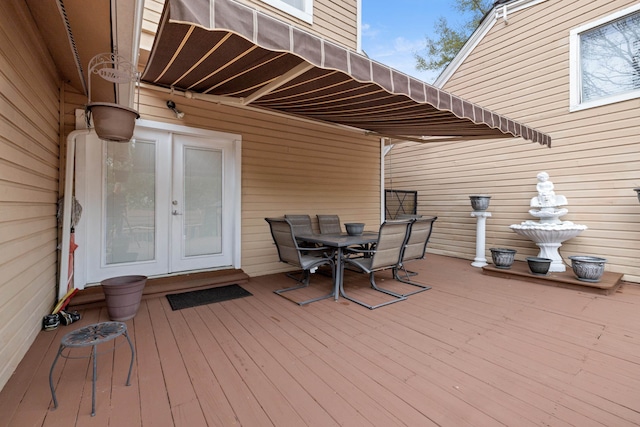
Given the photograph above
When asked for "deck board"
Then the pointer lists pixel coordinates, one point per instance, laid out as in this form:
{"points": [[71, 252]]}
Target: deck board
{"points": [[476, 350]]}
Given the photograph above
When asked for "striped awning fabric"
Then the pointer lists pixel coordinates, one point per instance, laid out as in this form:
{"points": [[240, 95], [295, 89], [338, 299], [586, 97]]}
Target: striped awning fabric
{"points": [[226, 49]]}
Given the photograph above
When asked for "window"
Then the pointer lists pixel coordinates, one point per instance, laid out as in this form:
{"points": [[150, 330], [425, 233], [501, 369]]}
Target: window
{"points": [[302, 9], [605, 60], [400, 202]]}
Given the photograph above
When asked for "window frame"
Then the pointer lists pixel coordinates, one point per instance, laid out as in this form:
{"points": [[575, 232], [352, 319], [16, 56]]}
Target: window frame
{"points": [[575, 89], [306, 15]]}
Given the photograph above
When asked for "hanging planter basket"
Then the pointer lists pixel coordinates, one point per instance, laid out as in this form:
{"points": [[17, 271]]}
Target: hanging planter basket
{"points": [[113, 122]]}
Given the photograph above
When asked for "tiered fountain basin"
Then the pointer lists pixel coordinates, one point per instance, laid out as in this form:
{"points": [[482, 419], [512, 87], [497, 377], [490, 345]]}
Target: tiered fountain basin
{"points": [[549, 237]]}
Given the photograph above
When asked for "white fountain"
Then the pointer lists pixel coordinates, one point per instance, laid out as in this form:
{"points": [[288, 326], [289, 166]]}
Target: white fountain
{"points": [[548, 232]]}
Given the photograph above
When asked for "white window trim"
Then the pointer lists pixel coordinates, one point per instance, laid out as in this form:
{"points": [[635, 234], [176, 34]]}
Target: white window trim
{"points": [[574, 65], [306, 15]]}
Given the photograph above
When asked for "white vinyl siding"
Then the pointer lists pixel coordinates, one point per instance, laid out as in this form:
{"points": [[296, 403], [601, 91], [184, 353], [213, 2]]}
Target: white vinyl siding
{"points": [[29, 148]]}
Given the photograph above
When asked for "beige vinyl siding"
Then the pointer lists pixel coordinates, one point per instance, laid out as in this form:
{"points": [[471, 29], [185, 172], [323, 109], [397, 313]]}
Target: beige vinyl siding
{"points": [[521, 70], [289, 166], [150, 19], [29, 132]]}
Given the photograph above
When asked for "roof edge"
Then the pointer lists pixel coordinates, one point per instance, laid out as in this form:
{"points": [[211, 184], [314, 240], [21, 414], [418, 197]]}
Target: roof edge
{"points": [[476, 37]]}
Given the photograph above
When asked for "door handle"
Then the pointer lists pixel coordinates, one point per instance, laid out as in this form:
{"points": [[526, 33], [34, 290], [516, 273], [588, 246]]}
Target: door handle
{"points": [[175, 212]]}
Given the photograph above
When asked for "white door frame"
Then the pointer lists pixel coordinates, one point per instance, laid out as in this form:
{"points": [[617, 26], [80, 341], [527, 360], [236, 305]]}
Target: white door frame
{"points": [[178, 259], [81, 191]]}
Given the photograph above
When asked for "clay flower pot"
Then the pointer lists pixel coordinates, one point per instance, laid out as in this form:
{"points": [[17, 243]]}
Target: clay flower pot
{"points": [[113, 122], [123, 295], [502, 257]]}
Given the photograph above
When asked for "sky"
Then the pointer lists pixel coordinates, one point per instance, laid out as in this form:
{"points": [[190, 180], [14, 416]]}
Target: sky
{"points": [[392, 30]]}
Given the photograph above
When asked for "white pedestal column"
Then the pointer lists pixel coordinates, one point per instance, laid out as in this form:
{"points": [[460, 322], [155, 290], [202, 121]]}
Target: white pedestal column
{"points": [[481, 216]]}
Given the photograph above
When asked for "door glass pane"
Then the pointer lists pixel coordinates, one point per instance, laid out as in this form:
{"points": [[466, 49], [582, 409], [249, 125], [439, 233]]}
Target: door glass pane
{"points": [[130, 202], [202, 201]]}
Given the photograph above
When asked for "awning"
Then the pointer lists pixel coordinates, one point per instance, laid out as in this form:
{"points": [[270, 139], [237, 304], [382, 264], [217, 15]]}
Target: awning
{"points": [[226, 49]]}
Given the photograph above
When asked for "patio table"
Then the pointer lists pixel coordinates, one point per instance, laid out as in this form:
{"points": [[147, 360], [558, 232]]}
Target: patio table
{"points": [[339, 241]]}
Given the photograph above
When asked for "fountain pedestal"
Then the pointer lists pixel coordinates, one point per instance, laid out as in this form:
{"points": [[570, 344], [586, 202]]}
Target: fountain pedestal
{"points": [[549, 239], [549, 232], [550, 250]]}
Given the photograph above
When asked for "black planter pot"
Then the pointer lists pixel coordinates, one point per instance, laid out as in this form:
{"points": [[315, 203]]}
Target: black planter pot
{"points": [[539, 266]]}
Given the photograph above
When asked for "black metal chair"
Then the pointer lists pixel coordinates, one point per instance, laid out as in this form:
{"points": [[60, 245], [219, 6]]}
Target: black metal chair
{"points": [[386, 254], [415, 248], [329, 224], [308, 259]]}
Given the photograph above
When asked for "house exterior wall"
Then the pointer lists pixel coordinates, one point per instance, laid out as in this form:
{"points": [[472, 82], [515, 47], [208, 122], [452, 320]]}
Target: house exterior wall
{"points": [[29, 148], [289, 166], [521, 69]]}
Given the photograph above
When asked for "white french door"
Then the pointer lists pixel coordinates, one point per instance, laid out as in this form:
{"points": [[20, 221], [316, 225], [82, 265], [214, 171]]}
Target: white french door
{"points": [[163, 203], [198, 209]]}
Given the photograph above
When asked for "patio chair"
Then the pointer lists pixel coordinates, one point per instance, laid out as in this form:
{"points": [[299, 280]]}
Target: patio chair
{"points": [[301, 225], [415, 248], [308, 259], [385, 255], [329, 224]]}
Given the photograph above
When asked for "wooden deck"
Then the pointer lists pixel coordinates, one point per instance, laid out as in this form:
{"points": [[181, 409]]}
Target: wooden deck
{"points": [[475, 350]]}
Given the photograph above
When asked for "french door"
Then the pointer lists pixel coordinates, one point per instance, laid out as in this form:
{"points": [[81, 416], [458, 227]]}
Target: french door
{"points": [[163, 203], [197, 205]]}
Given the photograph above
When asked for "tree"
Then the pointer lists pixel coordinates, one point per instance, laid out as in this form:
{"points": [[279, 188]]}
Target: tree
{"points": [[440, 51]]}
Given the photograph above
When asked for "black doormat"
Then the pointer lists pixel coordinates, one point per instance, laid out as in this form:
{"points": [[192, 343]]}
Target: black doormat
{"points": [[206, 296]]}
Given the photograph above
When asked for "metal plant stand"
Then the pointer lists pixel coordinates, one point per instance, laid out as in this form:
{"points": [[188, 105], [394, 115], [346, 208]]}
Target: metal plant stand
{"points": [[91, 335]]}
